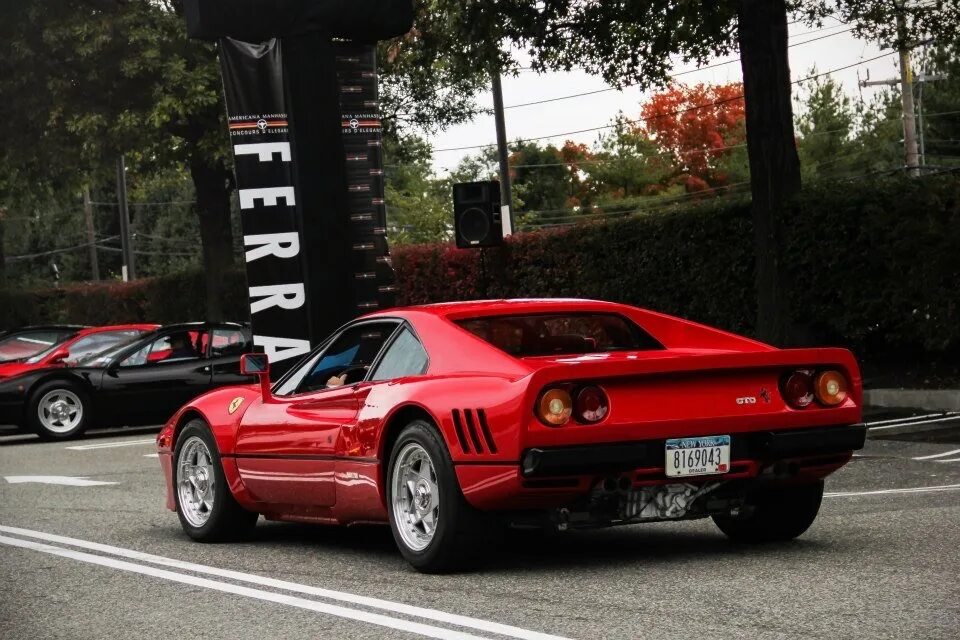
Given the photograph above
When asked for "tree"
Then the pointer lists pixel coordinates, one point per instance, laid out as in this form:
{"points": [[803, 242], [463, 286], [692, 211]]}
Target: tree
{"points": [[418, 204], [697, 137], [637, 41], [941, 99], [87, 80], [93, 79], [627, 164], [825, 122]]}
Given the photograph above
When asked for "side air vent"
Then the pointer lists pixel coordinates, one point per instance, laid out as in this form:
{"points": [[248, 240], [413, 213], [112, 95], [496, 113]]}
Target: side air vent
{"points": [[473, 432]]}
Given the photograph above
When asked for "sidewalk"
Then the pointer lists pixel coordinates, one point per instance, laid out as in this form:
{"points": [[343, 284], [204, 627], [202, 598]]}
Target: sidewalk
{"points": [[926, 399]]}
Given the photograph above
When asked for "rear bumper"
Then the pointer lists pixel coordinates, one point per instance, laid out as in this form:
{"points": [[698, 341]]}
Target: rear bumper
{"points": [[761, 446], [548, 477]]}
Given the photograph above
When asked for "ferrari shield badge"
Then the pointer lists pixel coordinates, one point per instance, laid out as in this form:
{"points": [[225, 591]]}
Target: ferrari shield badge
{"points": [[234, 405]]}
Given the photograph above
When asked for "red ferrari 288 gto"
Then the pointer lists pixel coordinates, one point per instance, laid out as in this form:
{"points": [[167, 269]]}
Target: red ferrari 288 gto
{"points": [[448, 419]]}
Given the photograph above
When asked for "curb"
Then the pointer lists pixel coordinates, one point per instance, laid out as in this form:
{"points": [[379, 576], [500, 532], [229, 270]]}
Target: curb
{"points": [[927, 399]]}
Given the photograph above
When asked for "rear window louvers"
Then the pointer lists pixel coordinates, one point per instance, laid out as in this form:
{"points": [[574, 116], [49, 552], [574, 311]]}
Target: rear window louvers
{"points": [[473, 432]]}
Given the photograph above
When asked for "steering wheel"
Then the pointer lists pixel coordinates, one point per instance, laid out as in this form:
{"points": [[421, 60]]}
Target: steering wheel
{"points": [[350, 373]]}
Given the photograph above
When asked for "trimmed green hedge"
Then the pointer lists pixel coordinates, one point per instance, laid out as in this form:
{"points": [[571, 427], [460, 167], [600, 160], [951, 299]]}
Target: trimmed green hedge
{"points": [[175, 298], [875, 266]]}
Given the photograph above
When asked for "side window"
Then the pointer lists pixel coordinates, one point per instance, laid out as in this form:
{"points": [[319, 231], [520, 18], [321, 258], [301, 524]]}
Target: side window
{"points": [[98, 342], [173, 347], [405, 357], [345, 361], [228, 342]]}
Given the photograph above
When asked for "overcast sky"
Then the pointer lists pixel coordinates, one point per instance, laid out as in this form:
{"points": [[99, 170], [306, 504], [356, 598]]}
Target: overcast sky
{"points": [[838, 50]]}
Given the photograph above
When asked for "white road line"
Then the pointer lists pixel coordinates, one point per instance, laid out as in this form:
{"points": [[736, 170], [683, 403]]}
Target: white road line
{"points": [[340, 596], [846, 494], [110, 445], [225, 587], [908, 419], [68, 481], [950, 460], [938, 455], [914, 424], [151, 455]]}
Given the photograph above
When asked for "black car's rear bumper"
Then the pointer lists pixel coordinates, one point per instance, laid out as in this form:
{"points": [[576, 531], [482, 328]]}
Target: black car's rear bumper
{"points": [[765, 446]]}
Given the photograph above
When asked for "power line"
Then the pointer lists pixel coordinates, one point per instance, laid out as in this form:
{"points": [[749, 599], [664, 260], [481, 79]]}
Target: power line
{"points": [[146, 204], [667, 115], [673, 75], [41, 254]]}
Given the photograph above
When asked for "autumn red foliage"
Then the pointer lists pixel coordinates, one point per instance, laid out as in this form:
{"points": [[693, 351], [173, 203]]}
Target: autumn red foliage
{"points": [[697, 125]]}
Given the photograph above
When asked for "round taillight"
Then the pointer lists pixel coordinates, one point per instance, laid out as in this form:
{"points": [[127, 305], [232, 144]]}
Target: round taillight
{"points": [[555, 407], [591, 405], [830, 388], [798, 389]]}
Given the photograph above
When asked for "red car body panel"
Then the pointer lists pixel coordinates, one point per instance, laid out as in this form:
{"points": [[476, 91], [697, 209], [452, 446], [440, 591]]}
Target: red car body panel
{"points": [[321, 456], [8, 370]]}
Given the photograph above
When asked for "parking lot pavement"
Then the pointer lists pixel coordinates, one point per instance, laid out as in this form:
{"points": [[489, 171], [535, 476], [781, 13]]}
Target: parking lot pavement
{"points": [[880, 562]]}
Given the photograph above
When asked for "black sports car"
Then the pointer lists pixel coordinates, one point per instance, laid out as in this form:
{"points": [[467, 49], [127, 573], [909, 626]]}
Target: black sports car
{"points": [[139, 382]]}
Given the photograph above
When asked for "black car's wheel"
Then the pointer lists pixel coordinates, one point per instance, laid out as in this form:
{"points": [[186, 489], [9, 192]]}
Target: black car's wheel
{"points": [[208, 511], [58, 410], [434, 527], [777, 514]]}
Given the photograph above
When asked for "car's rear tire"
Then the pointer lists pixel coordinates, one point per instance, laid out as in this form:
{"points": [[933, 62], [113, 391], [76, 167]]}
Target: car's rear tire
{"points": [[777, 514], [207, 510], [432, 524], [58, 410]]}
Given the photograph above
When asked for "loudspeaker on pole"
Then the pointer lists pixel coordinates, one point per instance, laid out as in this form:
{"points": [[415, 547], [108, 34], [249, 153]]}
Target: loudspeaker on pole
{"points": [[476, 214]]}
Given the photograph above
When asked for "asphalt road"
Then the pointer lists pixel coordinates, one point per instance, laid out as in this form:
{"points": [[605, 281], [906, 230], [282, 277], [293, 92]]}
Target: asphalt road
{"points": [[876, 564]]}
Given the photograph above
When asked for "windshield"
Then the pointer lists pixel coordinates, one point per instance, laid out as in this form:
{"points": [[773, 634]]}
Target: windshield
{"points": [[93, 344], [560, 333], [103, 358], [25, 344]]}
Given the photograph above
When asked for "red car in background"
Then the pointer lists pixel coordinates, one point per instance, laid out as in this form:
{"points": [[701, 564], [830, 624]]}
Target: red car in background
{"points": [[67, 348], [25, 342], [443, 419]]}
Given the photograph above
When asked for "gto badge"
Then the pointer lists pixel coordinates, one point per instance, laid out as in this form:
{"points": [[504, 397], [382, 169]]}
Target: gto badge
{"points": [[747, 400], [234, 405]]}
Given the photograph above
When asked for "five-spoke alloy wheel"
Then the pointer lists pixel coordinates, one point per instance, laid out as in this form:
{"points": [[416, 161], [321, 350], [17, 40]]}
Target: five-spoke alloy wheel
{"points": [[416, 496], [195, 481], [208, 511], [58, 410], [432, 524]]}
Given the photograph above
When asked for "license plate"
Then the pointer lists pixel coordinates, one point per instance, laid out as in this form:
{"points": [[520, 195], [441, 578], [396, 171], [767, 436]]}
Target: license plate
{"points": [[698, 456]]}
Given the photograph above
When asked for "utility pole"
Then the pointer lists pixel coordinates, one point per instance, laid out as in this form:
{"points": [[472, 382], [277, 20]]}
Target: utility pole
{"points": [[506, 200], [912, 157], [126, 250], [91, 234]]}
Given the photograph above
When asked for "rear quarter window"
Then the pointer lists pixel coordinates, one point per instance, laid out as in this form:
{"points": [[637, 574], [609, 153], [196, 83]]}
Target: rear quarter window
{"points": [[561, 334]]}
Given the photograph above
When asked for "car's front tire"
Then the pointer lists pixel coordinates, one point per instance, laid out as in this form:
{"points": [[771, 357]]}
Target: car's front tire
{"points": [[432, 524], [776, 514], [207, 510], [58, 410]]}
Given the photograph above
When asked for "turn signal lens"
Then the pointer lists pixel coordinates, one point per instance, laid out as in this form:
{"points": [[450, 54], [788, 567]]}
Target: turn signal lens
{"points": [[591, 405], [797, 389], [830, 388], [555, 407]]}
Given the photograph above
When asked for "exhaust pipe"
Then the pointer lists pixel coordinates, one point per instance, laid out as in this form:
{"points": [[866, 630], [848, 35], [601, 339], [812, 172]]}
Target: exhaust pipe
{"points": [[783, 470]]}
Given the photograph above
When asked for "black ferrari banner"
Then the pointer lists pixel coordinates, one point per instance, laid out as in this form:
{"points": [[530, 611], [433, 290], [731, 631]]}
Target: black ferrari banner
{"points": [[305, 129], [259, 126]]}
